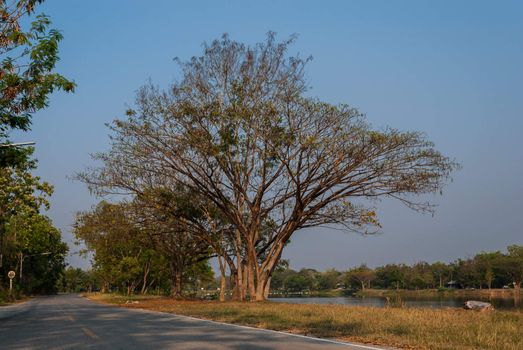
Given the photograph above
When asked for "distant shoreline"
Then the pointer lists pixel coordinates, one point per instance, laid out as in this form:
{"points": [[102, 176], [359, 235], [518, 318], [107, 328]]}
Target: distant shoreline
{"points": [[420, 293], [459, 293]]}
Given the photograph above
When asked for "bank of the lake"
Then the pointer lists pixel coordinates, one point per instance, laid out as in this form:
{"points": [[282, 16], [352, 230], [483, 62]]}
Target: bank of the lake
{"points": [[501, 299], [420, 302], [428, 293], [435, 293], [407, 328]]}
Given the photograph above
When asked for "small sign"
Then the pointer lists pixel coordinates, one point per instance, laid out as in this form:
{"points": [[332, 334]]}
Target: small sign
{"points": [[11, 274]]}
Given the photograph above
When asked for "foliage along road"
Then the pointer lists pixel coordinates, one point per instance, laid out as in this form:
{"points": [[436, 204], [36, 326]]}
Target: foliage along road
{"points": [[72, 322]]}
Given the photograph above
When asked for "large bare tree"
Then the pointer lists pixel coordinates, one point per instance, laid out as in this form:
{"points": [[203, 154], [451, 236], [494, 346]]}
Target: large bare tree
{"points": [[238, 130]]}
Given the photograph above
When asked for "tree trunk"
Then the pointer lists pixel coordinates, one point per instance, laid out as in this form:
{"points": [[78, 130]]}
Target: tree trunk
{"points": [[241, 279], [234, 285], [149, 285], [222, 279], [234, 277], [260, 291], [176, 281], [267, 288], [2, 233], [264, 273], [144, 282], [251, 274], [244, 281], [105, 287]]}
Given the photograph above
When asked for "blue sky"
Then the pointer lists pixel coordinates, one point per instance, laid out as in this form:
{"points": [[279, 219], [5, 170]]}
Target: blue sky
{"points": [[452, 69]]}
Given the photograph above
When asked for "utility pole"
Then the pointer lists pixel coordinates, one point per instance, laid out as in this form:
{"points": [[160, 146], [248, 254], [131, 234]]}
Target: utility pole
{"points": [[22, 257]]}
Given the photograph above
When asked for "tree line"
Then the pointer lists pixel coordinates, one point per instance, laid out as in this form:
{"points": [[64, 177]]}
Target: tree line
{"points": [[29, 243], [234, 158], [484, 270]]}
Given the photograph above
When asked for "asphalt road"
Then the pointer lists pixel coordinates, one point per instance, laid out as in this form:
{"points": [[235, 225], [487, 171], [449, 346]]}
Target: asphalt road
{"points": [[73, 322]]}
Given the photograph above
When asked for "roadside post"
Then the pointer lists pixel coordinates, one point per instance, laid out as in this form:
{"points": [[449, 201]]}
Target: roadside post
{"points": [[11, 275]]}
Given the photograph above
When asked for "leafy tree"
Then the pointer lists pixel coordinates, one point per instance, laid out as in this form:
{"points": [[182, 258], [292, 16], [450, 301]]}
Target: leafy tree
{"points": [[118, 246], [487, 266], [75, 280], [467, 274], [21, 192], [199, 275], [35, 251], [280, 275], [175, 227], [298, 283], [136, 245], [515, 258], [419, 276], [441, 272], [391, 276], [28, 55], [361, 275], [238, 130], [328, 279]]}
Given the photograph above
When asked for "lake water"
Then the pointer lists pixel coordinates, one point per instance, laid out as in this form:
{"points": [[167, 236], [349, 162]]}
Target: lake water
{"points": [[499, 303]]}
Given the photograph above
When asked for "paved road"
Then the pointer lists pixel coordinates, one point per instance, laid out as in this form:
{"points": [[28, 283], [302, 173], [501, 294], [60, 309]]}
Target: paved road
{"points": [[72, 322]]}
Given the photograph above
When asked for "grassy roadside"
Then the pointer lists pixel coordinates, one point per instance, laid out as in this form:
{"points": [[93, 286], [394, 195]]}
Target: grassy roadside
{"points": [[402, 328], [6, 300]]}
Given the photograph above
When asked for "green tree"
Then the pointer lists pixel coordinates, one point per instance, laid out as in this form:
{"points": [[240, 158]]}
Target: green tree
{"points": [[467, 273], [515, 257], [121, 251], [298, 283], [140, 244], [361, 276], [28, 55], [419, 276], [21, 192], [487, 265], [391, 276], [75, 280], [35, 251], [280, 274], [328, 279], [178, 229], [441, 273]]}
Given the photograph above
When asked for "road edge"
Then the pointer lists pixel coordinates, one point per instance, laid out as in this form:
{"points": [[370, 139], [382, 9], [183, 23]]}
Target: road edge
{"points": [[11, 310], [326, 340]]}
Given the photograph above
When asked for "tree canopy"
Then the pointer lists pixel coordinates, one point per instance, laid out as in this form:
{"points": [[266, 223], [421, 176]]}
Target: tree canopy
{"points": [[239, 130], [29, 243], [28, 55]]}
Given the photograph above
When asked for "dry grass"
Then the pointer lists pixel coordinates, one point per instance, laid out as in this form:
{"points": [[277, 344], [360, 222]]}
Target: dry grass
{"points": [[412, 328]]}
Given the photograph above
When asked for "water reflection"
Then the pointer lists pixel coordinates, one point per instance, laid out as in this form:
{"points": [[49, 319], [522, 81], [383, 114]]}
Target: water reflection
{"points": [[443, 302]]}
